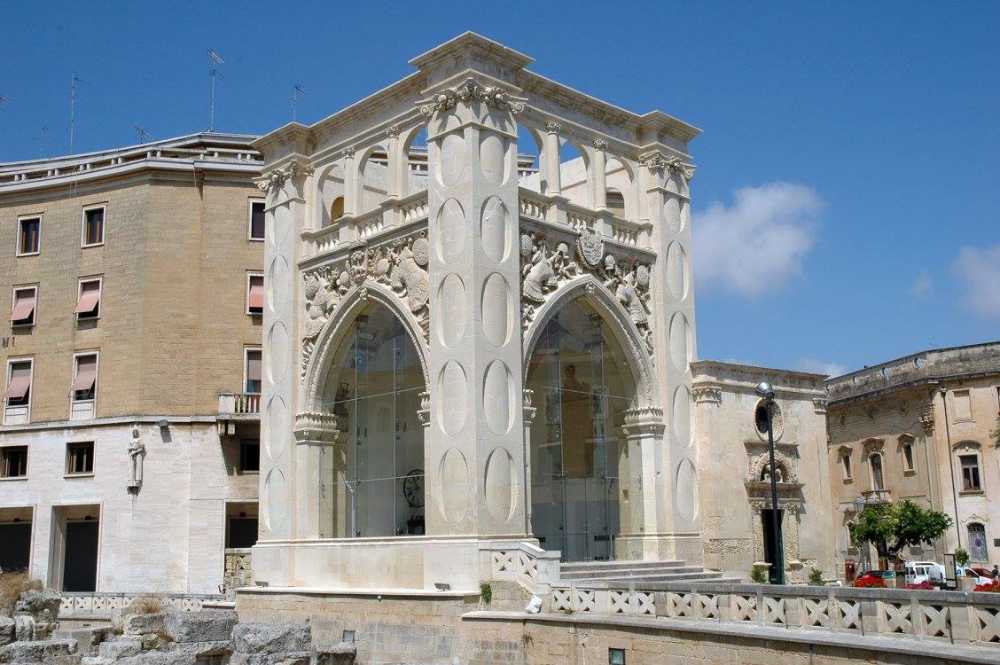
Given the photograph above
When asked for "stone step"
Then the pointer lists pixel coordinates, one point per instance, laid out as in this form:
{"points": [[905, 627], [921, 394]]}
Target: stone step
{"points": [[638, 580], [575, 566], [627, 572]]}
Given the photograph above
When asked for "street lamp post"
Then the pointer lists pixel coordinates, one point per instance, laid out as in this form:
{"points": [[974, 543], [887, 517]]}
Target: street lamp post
{"points": [[766, 392]]}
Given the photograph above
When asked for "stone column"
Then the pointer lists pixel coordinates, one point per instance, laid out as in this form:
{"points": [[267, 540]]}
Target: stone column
{"points": [[640, 491], [285, 218], [474, 447], [529, 418], [352, 189], [664, 182], [599, 164], [550, 159], [320, 462]]}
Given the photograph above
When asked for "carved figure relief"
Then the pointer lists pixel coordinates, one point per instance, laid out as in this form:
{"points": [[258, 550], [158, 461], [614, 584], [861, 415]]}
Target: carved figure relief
{"points": [[543, 271], [402, 266], [136, 454]]}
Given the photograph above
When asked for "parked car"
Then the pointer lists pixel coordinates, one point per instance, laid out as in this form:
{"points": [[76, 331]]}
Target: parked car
{"points": [[876, 578], [918, 572], [975, 573]]}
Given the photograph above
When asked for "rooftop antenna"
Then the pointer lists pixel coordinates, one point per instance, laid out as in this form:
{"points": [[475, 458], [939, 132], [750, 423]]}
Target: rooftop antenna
{"points": [[214, 60], [41, 140], [297, 91], [141, 135], [72, 107]]}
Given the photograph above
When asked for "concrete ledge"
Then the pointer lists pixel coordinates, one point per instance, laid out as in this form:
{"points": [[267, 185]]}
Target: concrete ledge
{"points": [[905, 646], [362, 593]]}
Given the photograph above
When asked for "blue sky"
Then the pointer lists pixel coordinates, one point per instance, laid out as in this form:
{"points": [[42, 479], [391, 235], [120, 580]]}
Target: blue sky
{"points": [[847, 191]]}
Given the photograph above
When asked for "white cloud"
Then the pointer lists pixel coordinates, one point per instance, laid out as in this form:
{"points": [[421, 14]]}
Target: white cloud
{"points": [[979, 268], [922, 285], [758, 243], [820, 367]]}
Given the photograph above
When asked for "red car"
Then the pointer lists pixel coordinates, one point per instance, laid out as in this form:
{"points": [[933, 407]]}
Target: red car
{"points": [[875, 578]]}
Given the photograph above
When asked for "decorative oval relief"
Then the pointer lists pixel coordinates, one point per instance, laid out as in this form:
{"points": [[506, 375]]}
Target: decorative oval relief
{"points": [[496, 397], [682, 415], [277, 365], [672, 214], [452, 405], [453, 486], [680, 334], [451, 231], [686, 491], [496, 309], [451, 323], [760, 420], [677, 270], [275, 503], [492, 149], [278, 422], [452, 159], [495, 229], [275, 275], [500, 485]]}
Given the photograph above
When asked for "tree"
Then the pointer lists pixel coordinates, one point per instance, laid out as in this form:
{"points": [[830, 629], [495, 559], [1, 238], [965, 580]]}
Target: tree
{"points": [[892, 526]]}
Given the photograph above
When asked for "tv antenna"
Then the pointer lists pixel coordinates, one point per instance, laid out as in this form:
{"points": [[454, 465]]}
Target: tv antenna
{"points": [[74, 79], [214, 60], [141, 135], [297, 92]]}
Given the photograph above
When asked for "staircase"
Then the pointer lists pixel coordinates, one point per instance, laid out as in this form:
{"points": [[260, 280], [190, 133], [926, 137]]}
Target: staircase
{"points": [[617, 573]]}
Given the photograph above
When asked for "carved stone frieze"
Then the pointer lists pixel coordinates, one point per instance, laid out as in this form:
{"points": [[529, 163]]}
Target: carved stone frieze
{"points": [[646, 420], [707, 395], [543, 270], [316, 427], [470, 91], [402, 266], [657, 162]]}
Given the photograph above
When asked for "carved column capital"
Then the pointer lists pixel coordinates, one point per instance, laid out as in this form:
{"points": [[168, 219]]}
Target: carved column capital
{"points": [[553, 127], [529, 411], [424, 412], [644, 421], [315, 427], [600, 144], [392, 132], [819, 404], [707, 395]]}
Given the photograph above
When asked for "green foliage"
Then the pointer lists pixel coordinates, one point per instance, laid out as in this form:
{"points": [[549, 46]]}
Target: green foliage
{"points": [[758, 574], [892, 526], [486, 593], [961, 556], [816, 577]]}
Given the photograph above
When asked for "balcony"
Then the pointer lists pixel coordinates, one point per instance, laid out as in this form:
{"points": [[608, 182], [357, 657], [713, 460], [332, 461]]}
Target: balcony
{"points": [[876, 497], [235, 408]]}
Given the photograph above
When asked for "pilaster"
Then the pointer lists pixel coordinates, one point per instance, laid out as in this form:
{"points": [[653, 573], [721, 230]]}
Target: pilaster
{"points": [[474, 446]]}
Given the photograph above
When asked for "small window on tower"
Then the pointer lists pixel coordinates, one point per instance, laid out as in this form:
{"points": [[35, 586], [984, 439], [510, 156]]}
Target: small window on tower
{"points": [[28, 236], [256, 220], [80, 458], [93, 226], [255, 294]]}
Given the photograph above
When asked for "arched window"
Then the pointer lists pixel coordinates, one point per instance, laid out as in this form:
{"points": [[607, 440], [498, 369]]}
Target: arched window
{"points": [[337, 209], [582, 387], [906, 447], [615, 201], [875, 461], [977, 542], [375, 479]]}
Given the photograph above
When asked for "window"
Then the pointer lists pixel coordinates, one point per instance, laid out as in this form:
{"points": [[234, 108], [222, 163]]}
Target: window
{"points": [[337, 208], [251, 382], [962, 402], [89, 304], [256, 220], [615, 200], [14, 462], [616, 656], [255, 294], [907, 449], [29, 236], [93, 226], [19, 383], [85, 377], [970, 473], [977, 542], [80, 459], [875, 460], [249, 455], [23, 311], [845, 463]]}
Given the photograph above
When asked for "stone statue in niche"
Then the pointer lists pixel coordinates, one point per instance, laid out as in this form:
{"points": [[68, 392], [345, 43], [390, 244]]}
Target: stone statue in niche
{"points": [[402, 266], [136, 454]]}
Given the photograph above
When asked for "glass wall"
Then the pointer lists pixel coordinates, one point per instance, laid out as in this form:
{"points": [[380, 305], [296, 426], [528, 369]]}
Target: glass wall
{"points": [[374, 478], [582, 387]]}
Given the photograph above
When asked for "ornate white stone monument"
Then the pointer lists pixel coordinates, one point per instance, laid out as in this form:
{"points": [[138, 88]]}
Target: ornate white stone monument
{"points": [[464, 348]]}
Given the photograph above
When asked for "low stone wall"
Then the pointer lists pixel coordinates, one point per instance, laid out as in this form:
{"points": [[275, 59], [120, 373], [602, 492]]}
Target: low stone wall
{"points": [[106, 605], [963, 618], [729, 623]]}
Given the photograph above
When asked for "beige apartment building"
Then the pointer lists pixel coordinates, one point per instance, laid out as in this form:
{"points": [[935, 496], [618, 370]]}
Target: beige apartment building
{"points": [[130, 428], [923, 428]]}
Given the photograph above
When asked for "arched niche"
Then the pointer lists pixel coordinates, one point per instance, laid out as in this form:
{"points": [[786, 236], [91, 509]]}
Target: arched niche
{"points": [[530, 145], [372, 379], [329, 187], [373, 177], [582, 485], [620, 179], [574, 171], [414, 151]]}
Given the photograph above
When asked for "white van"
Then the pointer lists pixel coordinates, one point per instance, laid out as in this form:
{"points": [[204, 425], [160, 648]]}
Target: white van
{"points": [[923, 571]]}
